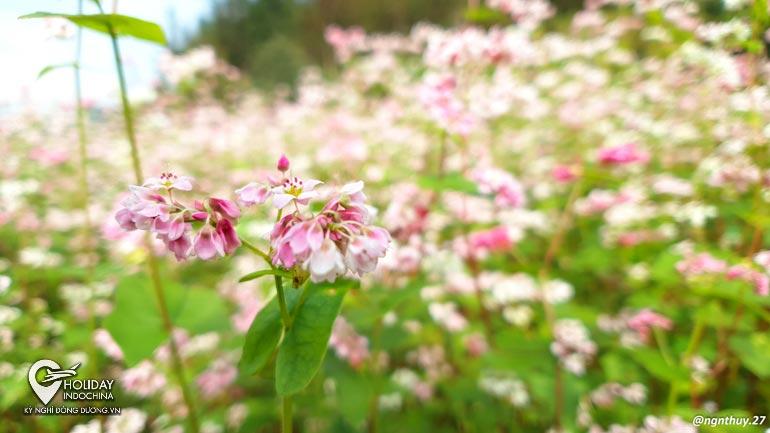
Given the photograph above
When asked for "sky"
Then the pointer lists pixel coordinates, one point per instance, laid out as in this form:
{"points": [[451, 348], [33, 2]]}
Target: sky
{"points": [[26, 48]]}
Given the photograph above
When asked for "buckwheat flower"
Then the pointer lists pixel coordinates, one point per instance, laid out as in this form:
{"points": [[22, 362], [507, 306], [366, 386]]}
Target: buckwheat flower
{"points": [[104, 341], [175, 223], [701, 264], [215, 380], [497, 239], [645, 320], [623, 154], [326, 263], [364, 250], [5, 283], [253, 193], [348, 344], [209, 244], [143, 380], [130, 420], [283, 163], [169, 181], [762, 258], [93, 426], [507, 190], [447, 315]]}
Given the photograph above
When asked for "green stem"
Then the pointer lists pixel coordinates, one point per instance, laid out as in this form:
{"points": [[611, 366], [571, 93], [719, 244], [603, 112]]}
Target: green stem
{"points": [[285, 317], [286, 426], [151, 260], [257, 251], [88, 238]]}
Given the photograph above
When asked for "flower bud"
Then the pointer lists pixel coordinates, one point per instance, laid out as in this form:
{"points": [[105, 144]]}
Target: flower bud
{"points": [[283, 163]]}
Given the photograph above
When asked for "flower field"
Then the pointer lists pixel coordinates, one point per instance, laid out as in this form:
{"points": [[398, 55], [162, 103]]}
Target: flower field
{"points": [[527, 223]]}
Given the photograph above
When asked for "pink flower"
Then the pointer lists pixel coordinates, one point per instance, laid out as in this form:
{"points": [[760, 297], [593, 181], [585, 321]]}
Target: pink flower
{"points": [[492, 240], [326, 263], [348, 344], [623, 154], [171, 221], [143, 380], [283, 163], [169, 181], [229, 237], [208, 244], [253, 193], [104, 341], [507, 190], [294, 190], [225, 208], [703, 263], [647, 319], [364, 250], [564, 174], [217, 378]]}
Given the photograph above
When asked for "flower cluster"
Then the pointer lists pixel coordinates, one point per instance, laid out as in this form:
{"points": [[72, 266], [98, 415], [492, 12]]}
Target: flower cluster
{"points": [[573, 345], [326, 245], [149, 209]]}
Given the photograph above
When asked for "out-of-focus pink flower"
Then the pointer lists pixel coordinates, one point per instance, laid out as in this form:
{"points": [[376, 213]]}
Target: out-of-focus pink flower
{"points": [[104, 341], [143, 380], [624, 154], [564, 173], [645, 320], [497, 239], [507, 190], [348, 344], [215, 380], [476, 344], [700, 264], [345, 42]]}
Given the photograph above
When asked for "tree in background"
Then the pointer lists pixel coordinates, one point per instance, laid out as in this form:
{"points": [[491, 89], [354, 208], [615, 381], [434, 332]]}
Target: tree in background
{"points": [[270, 40]]}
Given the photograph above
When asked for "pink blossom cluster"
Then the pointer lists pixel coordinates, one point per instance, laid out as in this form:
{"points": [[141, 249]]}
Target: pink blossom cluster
{"points": [[528, 13], [645, 320], [345, 41], [152, 207], [215, 380], [143, 380], [705, 264], [337, 239], [348, 344], [438, 95], [572, 345], [507, 190], [623, 154]]}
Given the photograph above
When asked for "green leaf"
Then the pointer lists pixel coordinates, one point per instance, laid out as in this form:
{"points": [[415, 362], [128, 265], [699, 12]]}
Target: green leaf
{"points": [[754, 352], [264, 334], [654, 363], [304, 345], [262, 273], [51, 68], [136, 324], [448, 182], [121, 25]]}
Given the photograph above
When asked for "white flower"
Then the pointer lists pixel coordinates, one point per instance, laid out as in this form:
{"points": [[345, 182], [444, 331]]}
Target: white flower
{"points": [[92, 426], [325, 263], [129, 421], [5, 283]]}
